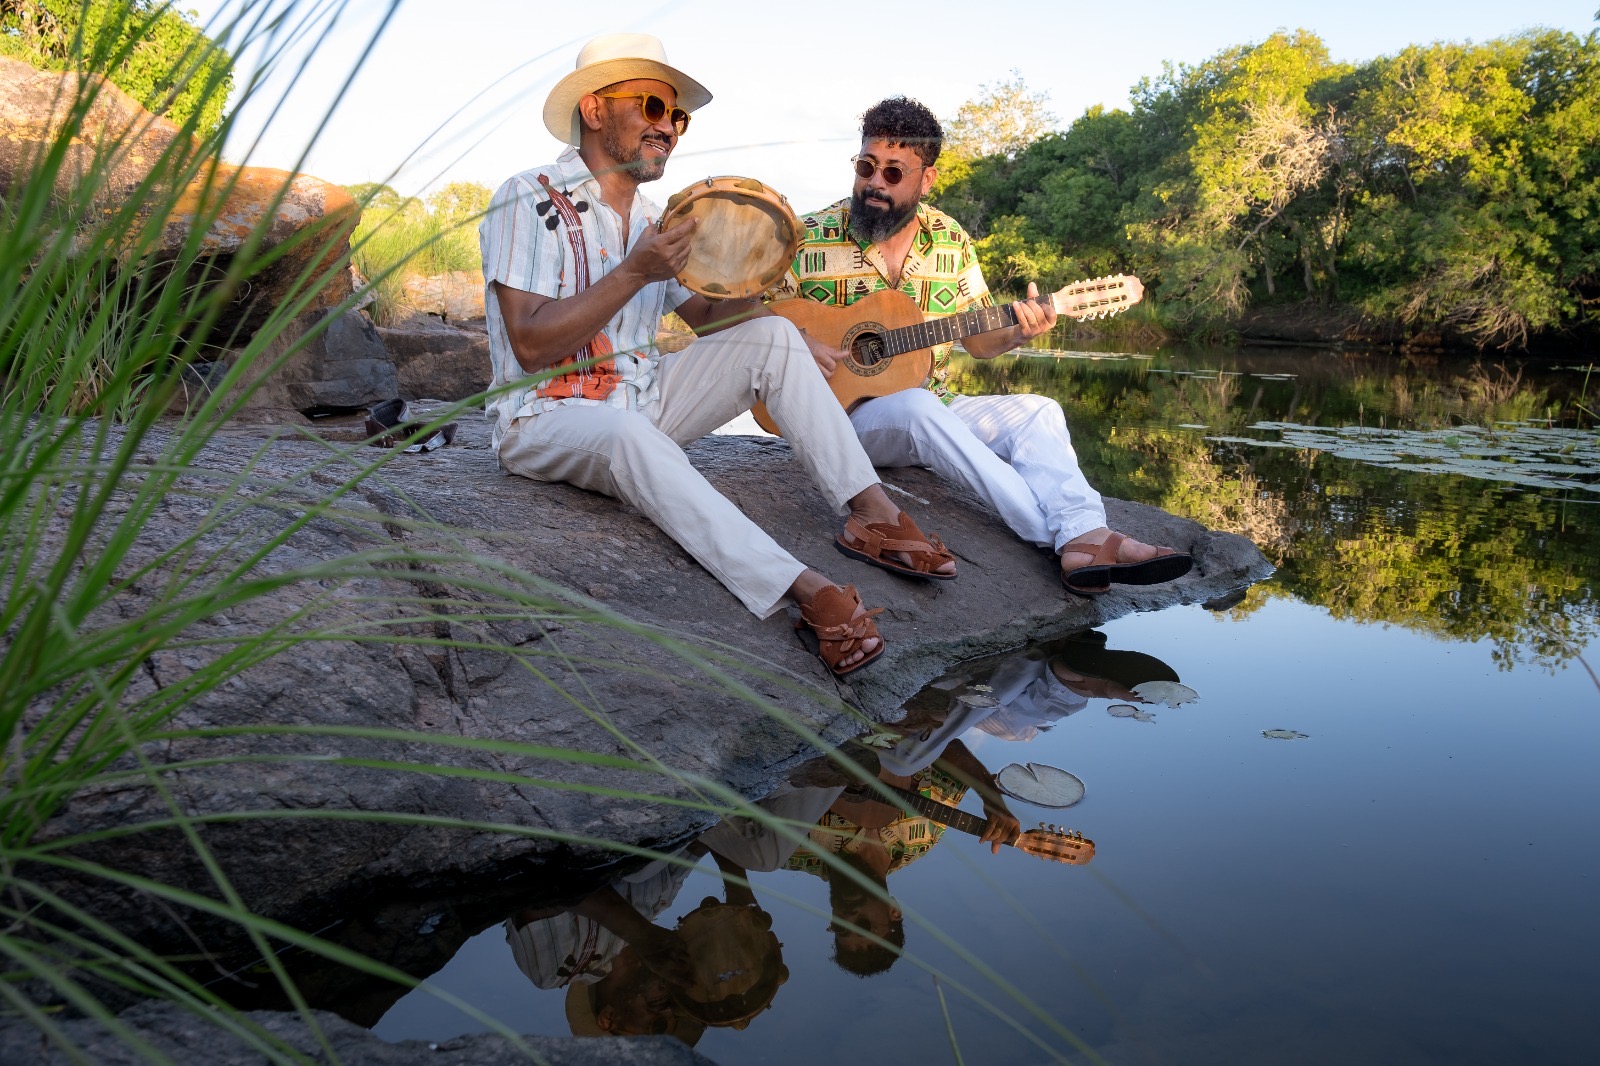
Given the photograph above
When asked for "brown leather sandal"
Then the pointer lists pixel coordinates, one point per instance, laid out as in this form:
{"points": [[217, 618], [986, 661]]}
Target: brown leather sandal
{"points": [[1102, 571], [837, 633], [869, 542]]}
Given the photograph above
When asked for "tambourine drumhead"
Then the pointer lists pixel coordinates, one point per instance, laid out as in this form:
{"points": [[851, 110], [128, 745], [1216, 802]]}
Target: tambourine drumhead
{"points": [[747, 237]]}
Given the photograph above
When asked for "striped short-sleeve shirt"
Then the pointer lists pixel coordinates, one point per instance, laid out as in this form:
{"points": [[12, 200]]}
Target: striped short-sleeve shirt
{"points": [[522, 251], [941, 271]]}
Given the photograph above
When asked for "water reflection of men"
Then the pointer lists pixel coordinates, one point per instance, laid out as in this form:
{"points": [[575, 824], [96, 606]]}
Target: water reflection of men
{"points": [[615, 963], [626, 975], [870, 838]]}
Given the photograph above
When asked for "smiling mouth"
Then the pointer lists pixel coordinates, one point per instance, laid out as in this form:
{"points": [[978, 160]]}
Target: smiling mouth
{"points": [[660, 146]]}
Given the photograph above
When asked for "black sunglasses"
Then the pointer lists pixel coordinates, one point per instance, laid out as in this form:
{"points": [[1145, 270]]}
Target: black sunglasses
{"points": [[654, 109], [892, 172]]}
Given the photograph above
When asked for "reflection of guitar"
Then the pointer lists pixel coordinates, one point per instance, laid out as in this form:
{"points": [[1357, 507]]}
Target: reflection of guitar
{"points": [[889, 347], [1055, 844]]}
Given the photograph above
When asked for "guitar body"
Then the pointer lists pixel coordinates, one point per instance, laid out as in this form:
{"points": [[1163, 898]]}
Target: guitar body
{"points": [[889, 348], [858, 330]]}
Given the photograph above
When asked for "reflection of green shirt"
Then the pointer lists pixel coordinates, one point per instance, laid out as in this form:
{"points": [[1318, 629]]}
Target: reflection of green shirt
{"points": [[908, 839], [941, 271]]}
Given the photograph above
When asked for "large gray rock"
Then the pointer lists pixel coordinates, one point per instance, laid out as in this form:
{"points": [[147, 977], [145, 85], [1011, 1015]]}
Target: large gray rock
{"points": [[346, 365], [179, 1036], [564, 678], [438, 360], [456, 296]]}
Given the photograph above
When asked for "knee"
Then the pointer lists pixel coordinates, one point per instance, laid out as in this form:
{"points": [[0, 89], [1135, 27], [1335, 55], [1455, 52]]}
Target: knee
{"points": [[920, 406], [1041, 409], [779, 335]]}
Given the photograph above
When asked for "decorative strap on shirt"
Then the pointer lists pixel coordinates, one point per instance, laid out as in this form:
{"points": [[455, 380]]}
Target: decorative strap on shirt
{"points": [[594, 374]]}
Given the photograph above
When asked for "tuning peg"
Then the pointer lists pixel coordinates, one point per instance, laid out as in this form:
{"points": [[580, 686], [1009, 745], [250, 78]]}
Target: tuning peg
{"points": [[543, 206]]}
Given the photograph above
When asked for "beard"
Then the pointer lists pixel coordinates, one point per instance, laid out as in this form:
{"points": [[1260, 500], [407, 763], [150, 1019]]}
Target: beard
{"points": [[873, 221], [643, 168]]}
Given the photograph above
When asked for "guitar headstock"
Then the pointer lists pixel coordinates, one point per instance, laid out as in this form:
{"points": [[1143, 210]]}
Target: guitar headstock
{"points": [[1056, 844], [1098, 297]]}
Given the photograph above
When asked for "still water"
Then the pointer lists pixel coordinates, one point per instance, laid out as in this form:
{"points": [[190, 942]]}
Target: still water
{"points": [[1411, 878]]}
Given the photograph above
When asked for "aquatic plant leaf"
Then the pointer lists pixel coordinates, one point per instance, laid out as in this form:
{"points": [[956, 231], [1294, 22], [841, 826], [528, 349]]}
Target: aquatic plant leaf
{"points": [[1128, 710], [1283, 734], [1169, 692], [1040, 785]]}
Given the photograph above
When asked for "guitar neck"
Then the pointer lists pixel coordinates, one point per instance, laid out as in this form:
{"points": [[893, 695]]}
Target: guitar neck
{"points": [[943, 813], [950, 328]]}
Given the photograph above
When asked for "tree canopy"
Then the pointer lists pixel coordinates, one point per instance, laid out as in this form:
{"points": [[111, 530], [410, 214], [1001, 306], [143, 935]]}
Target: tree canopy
{"points": [[1451, 187], [147, 48]]}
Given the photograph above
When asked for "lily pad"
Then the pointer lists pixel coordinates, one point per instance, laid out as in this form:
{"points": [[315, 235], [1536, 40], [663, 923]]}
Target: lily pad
{"points": [[1128, 710], [1040, 785], [1169, 692], [1282, 734]]}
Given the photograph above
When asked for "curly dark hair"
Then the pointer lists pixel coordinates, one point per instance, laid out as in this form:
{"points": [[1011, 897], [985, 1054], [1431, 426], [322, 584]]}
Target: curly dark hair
{"points": [[903, 121]]}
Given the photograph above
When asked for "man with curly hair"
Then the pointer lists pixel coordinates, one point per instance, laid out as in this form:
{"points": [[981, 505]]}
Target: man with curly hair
{"points": [[1012, 451]]}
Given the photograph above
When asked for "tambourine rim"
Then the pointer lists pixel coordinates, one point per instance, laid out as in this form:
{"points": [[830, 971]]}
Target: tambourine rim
{"points": [[708, 186]]}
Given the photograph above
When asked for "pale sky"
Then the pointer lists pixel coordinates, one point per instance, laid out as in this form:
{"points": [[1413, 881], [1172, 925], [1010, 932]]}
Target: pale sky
{"points": [[789, 82]]}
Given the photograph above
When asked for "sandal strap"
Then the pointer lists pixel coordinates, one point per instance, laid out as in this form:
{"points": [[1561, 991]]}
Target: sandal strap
{"points": [[836, 639], [875, 539], [1103, 554]]}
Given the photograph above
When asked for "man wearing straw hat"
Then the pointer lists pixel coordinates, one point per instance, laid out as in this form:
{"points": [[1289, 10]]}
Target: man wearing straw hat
{"points": [[578, 276]]}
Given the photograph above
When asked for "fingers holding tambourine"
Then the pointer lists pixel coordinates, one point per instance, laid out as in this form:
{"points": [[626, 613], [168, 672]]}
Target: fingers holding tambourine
{"points": [[658, 255]]}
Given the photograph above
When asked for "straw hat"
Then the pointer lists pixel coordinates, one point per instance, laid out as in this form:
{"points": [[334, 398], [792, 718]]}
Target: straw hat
{"points": [[606, 60]]}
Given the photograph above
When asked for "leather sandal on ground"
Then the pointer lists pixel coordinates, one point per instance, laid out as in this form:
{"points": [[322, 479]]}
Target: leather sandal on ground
{"points": [[872, 542], [836, 633], [1096, 577]]}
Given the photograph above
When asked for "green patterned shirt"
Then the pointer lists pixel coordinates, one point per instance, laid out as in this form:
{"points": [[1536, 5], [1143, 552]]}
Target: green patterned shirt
{"points": [[941, 271]]}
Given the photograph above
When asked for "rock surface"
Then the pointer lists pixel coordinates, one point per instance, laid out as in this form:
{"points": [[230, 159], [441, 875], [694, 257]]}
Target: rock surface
{"points": [[179, 1036], [567, 683], [454, 297], [438, 360], [346, 365], [120, 144]]}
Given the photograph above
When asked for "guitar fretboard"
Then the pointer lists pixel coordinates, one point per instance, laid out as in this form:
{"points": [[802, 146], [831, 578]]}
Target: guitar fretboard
{"points": [[944, 330], [943, 813]]}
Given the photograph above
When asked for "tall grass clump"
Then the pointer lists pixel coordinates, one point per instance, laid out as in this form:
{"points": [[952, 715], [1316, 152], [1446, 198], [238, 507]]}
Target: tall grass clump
{"points": [[102, 313], [402, 238]]}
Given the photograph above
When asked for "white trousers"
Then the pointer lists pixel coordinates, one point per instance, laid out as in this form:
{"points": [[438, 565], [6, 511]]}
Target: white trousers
{"points": [[1013, 452], [637, 456]]}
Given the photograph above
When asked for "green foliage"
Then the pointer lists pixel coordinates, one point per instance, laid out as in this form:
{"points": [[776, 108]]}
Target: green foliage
{"points": [[1451, 188], [404, 237], [1003, 120], [147, 48], [1458, 557]]}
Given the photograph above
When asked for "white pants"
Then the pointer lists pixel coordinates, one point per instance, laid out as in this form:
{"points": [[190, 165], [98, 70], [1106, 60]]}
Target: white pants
{"points": [[1013, 452], [637, 456]]}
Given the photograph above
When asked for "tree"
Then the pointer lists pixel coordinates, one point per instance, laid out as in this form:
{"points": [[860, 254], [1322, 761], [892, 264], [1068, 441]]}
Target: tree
{"points": [[146, 48], [1002, 120], [1256, 144]]}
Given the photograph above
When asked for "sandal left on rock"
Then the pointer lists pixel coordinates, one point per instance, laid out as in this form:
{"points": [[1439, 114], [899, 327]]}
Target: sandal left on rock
{"points": [[1097, 576], [830, 618], [870, 542]]}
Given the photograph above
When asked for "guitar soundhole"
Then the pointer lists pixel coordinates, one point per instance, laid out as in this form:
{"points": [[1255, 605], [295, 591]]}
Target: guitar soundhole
{"points": [[866, 348]]}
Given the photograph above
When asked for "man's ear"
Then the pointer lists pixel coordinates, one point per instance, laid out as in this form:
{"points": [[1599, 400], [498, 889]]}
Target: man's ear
{"points": [[929, 176], [589, 111], [605, 1019]]}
